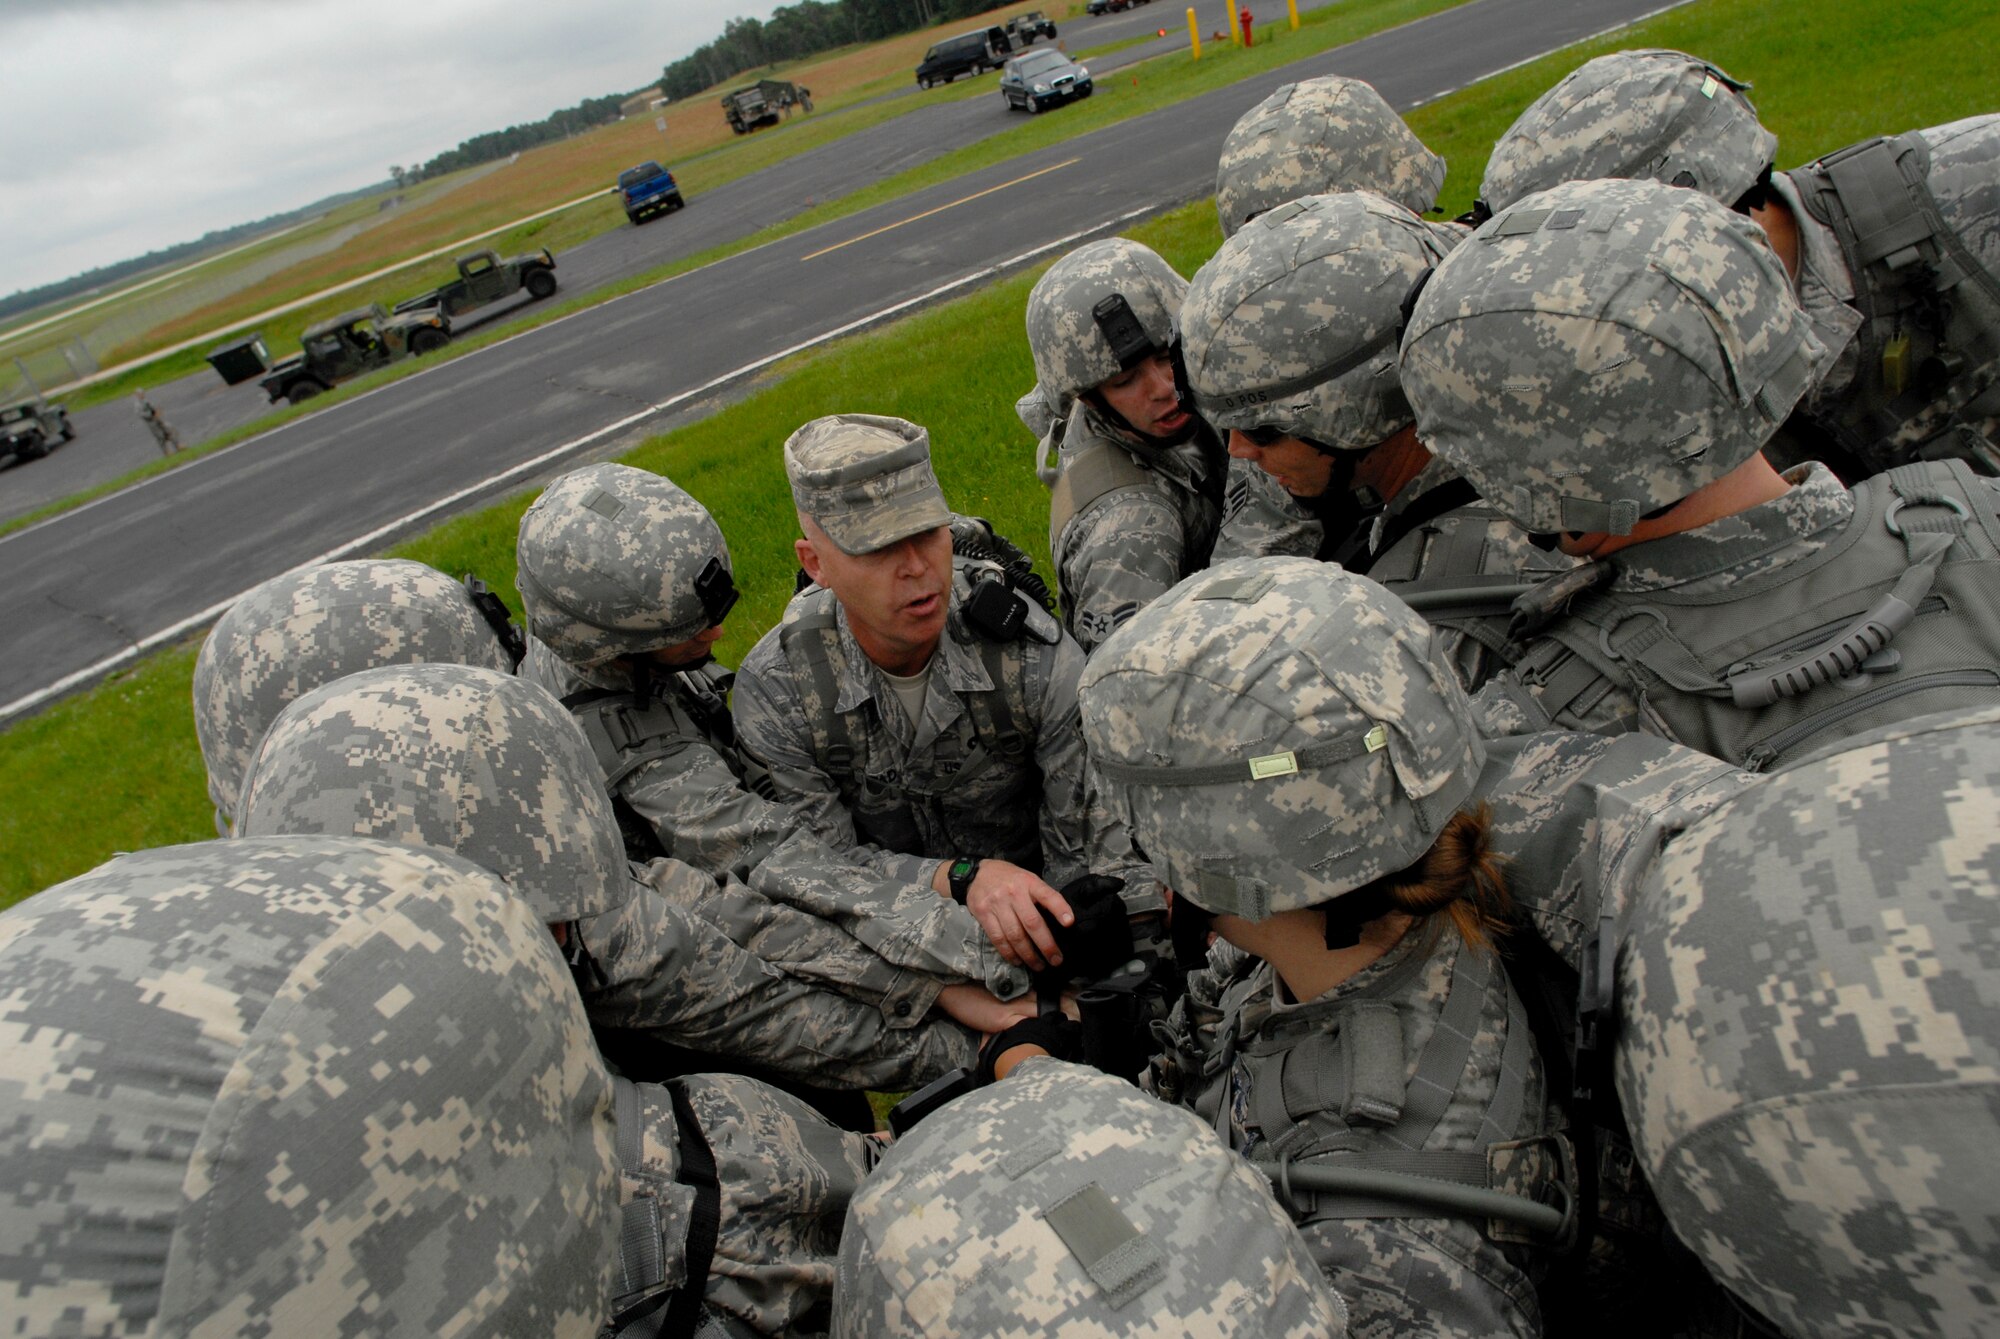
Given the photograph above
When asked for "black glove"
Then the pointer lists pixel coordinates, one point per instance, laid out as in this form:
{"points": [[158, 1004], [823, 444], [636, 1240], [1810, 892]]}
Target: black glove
{"points": [[1100, 942], [1059, 1035]]}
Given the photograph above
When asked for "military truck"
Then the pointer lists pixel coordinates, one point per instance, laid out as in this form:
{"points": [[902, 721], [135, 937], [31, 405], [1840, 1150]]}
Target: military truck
{"points": [[32, 429], [1023, 29], [483, 277], [764, 103], [352, 343]]}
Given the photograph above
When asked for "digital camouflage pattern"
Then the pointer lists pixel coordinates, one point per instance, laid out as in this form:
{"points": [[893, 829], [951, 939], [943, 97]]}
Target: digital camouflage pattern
{"points": [[865, 480], [786, 1176], [1320, 137], [1036, 412], [1257, 336], [608, 557], [1261, 520], [1654, 115], [306, 628], [1121, 550], [462, 759], [969, 1225], [1072, 354], [922, 793], [297, 1086], [1809, 1004], [1602, 350], [1278, 733]]}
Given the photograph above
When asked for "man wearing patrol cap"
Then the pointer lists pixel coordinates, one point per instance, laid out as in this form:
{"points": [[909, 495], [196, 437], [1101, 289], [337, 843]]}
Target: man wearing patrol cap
{"points": [[919, 712], [1605, 362], [1892, 244]]}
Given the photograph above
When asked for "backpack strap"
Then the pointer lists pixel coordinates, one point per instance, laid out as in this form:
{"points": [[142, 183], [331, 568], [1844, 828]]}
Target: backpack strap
{"points": [[1095, 471], [674, 1313]]}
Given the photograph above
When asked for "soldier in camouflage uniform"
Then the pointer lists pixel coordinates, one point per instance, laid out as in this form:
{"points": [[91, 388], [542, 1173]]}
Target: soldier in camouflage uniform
{"points": [[300, 1086], [297, 631], [492, 768], [1604, 363], [1137, 488], [625, 580], [1072, 1205], [1315, 405], [1318, 137], [916, 710], [1892, 244], [1810, 1035]]}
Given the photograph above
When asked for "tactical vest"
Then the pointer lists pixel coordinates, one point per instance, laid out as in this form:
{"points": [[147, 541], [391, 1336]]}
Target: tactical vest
{"points": [[626, 731], [640, 1307], [1337, 1098], [1898, 616], [1930, 310], [1100, 468], [811, 643]]}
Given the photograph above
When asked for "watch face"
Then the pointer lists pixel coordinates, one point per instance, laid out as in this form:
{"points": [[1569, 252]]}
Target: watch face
{"points": [[961, 869]]}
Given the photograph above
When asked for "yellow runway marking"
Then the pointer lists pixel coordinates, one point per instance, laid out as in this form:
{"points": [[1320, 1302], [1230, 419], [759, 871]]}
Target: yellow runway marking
{"points": [[891, 227]]}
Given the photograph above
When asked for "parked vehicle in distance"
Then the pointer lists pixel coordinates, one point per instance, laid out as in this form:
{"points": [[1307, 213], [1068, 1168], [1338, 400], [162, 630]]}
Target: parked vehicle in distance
{"points": [[33, 428], [483, 277], [352, 343], [1023, 29], [1096, 7], [1043, 79], [648, 189], [764, 103], [975, 52]]}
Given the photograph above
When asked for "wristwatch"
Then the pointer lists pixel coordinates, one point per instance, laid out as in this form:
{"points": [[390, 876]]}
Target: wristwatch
{"points": [[960, 877]]}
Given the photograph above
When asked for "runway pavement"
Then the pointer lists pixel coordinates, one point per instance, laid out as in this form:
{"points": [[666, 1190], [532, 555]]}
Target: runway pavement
{"points": [[95, 588]]}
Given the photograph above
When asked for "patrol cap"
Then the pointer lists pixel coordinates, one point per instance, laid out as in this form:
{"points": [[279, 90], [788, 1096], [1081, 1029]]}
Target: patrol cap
{"points": [[1100, 311], [465, 760], [619, 561], [305, 628], [1277, 732], [1656, 115], [865, 479], [1294, 323], [1602, 350], [1062, 1201], [1319, 137], [1808, 1050], [297, 1086]]}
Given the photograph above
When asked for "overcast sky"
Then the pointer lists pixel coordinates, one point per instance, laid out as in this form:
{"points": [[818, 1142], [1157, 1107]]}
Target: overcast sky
{"points": [[127, 125]]}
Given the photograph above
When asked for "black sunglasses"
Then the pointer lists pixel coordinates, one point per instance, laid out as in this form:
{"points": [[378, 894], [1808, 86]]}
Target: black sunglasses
{"points": [[1263, 436]]}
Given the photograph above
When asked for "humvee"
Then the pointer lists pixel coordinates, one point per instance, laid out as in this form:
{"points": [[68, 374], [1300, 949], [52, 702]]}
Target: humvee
{"points": [[764, 103], [1023, 29], [33, 428], [483, 277], [352, 343]]}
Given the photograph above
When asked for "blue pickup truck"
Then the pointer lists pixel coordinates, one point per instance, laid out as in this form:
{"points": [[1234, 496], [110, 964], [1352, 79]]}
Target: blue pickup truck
{"points": [[648, 189]]}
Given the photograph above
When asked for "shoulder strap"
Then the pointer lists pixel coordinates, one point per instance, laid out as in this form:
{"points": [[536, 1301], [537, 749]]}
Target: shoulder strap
{"points": [[626, 731], [674, 1313], [808, 642], [1091, 473]]}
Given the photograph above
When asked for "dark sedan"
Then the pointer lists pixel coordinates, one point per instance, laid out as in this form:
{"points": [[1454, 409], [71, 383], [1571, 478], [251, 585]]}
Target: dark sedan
{"points": [[1042, 79]]}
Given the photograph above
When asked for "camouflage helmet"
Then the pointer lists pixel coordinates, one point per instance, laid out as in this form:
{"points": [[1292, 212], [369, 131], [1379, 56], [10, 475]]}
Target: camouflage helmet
{"points": [[1277, 732], [1256, 334], [297, 1085], [1077, 336], [309, 627], [465, 760], [1319, 137], [1650, 115], [1809, 1034], [1064, 1201], [618, 561], [1604, 349]]}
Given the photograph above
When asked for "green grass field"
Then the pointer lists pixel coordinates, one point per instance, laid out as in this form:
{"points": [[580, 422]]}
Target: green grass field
{"points": [[117, 768]]}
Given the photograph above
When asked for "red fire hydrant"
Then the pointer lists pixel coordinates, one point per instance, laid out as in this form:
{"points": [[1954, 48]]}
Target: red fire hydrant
{"points": [[1245, 19]]}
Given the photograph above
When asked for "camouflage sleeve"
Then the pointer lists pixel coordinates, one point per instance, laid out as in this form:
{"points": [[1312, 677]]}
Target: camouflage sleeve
{"points": [[693, 799], [674, 973], [1080, 833], [1262, 520], [912, 928], [1117, 557], [794, 941], [769, 723], [1509, 706]]}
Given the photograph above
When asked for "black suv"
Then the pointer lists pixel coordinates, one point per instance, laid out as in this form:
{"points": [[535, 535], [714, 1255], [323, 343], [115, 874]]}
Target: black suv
{"points": [[975, 52]]}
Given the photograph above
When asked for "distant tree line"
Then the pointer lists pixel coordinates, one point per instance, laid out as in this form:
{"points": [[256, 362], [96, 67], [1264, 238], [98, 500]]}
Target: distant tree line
{"points": [[804, 29], [586, 115]]}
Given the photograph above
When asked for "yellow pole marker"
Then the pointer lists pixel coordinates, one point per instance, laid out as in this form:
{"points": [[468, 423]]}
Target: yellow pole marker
{"points": [[1194, 34], [1293, 5], [1233, 25]]}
